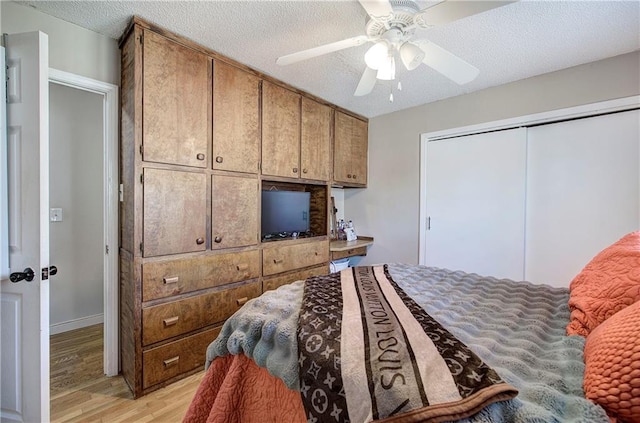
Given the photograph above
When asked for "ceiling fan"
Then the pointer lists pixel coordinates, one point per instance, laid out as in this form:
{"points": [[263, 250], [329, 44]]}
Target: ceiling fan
{"points": [[391, 26]]}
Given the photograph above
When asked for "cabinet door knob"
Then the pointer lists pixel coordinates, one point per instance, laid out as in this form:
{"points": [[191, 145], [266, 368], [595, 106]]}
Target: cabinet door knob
{"points": [[349, 176], [354, 176], [200, 156], [295, 170], [200, 241], [218, 159], [217, 239], [304, 170]]}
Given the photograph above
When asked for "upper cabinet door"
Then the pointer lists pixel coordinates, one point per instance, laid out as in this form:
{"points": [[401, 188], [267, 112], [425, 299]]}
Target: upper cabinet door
{"points": [[176, 120], [350, 154], [236, 119], [280, 131], [315, 144]]}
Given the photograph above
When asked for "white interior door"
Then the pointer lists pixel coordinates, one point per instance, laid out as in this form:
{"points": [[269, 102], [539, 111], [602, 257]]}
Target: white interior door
{"points": [[582, 192], [25, 304], [475, 193]]}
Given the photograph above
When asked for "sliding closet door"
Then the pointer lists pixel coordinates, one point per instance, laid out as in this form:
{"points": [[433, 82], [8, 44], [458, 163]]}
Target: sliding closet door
{"points": [[582, 192], [475, 197]]}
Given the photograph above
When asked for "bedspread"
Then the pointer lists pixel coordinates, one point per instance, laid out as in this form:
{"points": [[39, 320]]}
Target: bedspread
{"points": [[517, 328]]}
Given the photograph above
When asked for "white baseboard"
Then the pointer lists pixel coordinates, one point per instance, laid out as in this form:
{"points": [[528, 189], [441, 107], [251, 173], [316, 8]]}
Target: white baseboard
{"points": [[82, 322]]}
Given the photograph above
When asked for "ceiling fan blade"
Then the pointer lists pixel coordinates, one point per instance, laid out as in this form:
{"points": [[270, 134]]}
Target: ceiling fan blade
{"points": [[320, 50], [377, 9], [447, 63], [449, 11], [367, 82]]}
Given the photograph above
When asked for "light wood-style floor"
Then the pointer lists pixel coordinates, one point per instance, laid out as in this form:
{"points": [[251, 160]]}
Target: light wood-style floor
{"points": [[80, 392]]}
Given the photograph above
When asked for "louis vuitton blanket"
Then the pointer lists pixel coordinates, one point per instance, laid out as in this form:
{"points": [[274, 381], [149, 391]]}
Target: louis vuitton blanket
{"points": [[368, 352]]}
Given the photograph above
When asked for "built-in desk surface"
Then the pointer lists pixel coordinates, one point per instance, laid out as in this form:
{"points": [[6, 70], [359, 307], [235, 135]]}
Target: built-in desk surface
{"points": [[342, 249]]}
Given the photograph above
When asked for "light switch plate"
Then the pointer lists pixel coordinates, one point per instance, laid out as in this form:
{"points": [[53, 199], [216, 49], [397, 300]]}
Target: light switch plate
{"points": [[55, 215]]}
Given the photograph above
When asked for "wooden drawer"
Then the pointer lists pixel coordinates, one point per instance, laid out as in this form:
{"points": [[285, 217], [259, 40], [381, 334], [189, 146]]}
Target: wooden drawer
{"points": [[277, 281], [281, 259], [163, 363], [360, 251], [172, 319], [167, 278]]}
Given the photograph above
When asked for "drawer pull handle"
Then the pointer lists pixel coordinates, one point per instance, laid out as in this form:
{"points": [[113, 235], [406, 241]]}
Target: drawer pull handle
{"points": [[170, 321], [218, 159], [242, 267], [173, 279], [277, 261], [200, 156], [171, 361], [242, 300], [200, 241], [217, 239]]}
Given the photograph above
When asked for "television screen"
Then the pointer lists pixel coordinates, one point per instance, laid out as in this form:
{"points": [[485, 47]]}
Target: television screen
{"points": [[284, 212]]}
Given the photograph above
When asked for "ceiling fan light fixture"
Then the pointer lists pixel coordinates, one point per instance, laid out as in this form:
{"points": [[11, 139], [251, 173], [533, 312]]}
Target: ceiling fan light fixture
{"points": [[387, 71], [411, 55], [377, 55]]}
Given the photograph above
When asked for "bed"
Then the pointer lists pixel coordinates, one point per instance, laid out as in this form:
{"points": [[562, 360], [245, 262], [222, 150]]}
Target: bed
{"points": [[261, 367]]}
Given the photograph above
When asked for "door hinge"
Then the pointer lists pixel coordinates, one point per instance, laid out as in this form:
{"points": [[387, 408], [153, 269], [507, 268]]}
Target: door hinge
{"points": [[141, 150], [259, 166], [142, 178], [429, 223], [142, 247], [142, 38], [121, 192], [106, 249]]}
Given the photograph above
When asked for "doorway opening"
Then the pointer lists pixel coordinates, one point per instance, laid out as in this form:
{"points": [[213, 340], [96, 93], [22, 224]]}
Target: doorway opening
{"points": [[90, 185]]}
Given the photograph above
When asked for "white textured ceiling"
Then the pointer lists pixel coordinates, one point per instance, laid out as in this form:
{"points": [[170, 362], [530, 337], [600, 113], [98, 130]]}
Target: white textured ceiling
{"points": [[512, 42]]}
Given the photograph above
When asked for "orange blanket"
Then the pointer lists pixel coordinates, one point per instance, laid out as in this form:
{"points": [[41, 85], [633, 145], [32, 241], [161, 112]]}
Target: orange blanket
{"points": [[235, 390]]}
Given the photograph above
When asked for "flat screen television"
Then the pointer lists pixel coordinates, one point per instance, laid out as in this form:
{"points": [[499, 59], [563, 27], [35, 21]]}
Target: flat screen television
{"points": [[284, 212]]}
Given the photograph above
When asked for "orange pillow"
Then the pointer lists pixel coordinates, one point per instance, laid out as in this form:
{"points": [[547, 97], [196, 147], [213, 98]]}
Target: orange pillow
{"points": [[612, 365], [609, 283]]}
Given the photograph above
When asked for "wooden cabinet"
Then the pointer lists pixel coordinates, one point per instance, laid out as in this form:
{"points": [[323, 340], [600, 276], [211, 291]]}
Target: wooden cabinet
{"points": [[350, 157], [280, 131], [234, 211], [176, 98], [201, 135], [167, 228], [315, 140], [236, 119]]}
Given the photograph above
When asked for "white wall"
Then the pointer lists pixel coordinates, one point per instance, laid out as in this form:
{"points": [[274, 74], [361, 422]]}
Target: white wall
{"points": [[75, 185], [388, 209], [71, 48]]}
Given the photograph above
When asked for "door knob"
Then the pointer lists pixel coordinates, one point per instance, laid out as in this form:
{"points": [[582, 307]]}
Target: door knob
{"points": [[27, 275]]}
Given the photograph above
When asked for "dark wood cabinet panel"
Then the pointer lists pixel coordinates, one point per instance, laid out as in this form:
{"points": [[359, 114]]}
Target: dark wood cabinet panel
{"points": [[350, 154], [315, 140], [280, 131], [168, 228], [236, 119], [176, 103], [234, 212]]}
